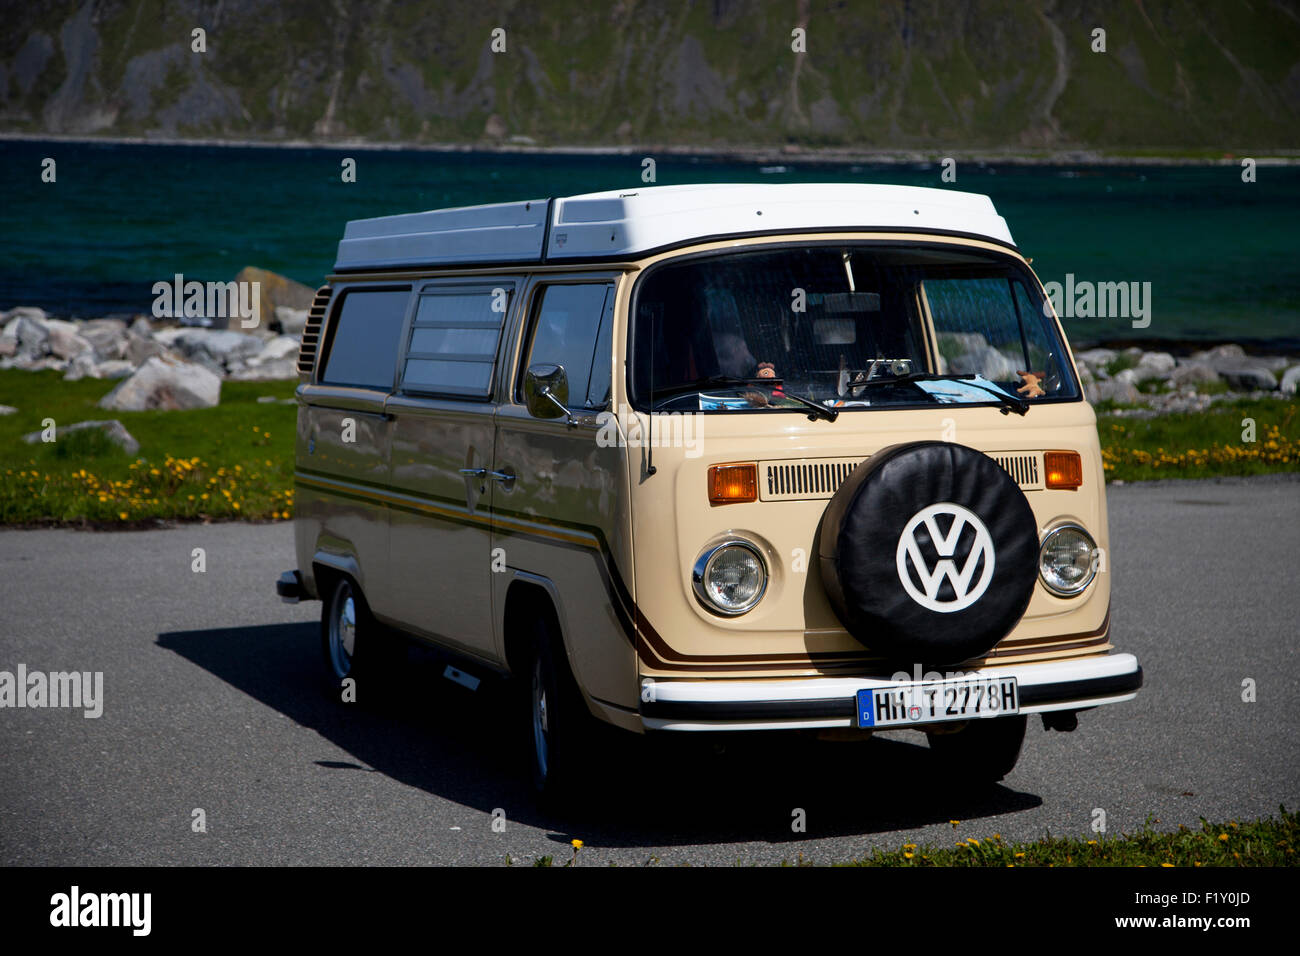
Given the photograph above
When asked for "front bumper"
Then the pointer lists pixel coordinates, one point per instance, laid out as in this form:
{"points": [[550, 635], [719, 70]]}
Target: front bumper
{"points": [[831, 701]]}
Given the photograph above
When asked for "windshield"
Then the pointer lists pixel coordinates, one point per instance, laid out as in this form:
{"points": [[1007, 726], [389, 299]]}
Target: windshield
{"points": [[845, 326]]}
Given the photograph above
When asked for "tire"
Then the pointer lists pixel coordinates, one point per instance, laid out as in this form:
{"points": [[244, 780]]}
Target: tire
{"points": [[984, 751], [929, 553], [559, 726], [354, 645]]}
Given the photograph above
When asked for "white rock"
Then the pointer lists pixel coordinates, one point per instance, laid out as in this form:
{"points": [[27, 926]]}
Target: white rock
{"points": [[274, 370], [114, 429], [165, 383], [1291, 380], [1219, 353], [9, 409], [23, 311], [1114, 390], [280, 347], [1096, 357], [291, 321], [1249, 377], [31, 336], [1128, 376], [1154, 365], [65, 339], [219, 345], [1192, 373]]}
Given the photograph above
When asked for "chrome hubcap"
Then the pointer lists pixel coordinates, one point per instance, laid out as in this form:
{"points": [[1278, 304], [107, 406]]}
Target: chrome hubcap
{"points": [[343, 632], [540, 725]]}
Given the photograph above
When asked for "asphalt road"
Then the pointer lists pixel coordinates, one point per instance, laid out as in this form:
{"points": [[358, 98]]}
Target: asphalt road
{"points": [[212, 701]]}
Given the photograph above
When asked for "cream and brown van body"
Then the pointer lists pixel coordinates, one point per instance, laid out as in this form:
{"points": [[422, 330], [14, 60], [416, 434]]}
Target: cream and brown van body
{"points": [[463, 518]]}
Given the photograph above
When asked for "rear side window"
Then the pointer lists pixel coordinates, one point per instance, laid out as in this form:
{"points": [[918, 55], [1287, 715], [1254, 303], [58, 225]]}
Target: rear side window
{"points": [[571, 328], [364, 337], [454, 340]]}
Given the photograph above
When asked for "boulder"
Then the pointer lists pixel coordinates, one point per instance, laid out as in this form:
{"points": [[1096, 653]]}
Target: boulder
{"points": [[140, 347], [1221, 353], [31, 338], [280, 347], [85, 366], [1192, 373], [114, 429], [290, 321], [1114, 390], [10, 410], [106, 336], [165, 383], [65, 339], [1097, 358], [268, 371], [216, 349], [1128, 376], [1248, 377], [276, 290], [1291, 380], [23, 311], [1154, 365]]}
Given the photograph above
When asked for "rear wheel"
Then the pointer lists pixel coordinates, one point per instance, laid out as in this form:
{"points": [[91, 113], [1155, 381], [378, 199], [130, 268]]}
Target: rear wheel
{"points": [[984, 751], [354, 646]]}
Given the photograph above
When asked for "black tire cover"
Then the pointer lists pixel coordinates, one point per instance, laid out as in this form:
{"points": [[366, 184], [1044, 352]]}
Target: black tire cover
{"points": [[951, 610]]}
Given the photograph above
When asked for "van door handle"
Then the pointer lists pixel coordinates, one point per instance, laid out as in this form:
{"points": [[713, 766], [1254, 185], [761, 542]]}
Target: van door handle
{"points": [[505, 477], [474, 472]]}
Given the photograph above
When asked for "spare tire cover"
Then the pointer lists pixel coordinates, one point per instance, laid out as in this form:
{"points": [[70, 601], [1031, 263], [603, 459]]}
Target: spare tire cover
{"points": [[929, 553]]}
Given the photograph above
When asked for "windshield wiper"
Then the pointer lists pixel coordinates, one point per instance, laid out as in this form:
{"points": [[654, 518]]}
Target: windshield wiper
{"points": [[713, 381], [729, 381], [1007, 403], [814, 410]]}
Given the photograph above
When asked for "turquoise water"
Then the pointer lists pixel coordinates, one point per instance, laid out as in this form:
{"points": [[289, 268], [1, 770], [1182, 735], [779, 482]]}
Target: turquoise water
{"points": [[1218, 252]]}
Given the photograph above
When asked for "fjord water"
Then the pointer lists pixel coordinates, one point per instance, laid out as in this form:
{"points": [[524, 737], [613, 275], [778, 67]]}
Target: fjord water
{"points": [[120, 217]]}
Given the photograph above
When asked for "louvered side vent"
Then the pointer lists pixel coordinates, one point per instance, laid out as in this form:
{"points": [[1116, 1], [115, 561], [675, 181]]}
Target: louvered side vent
{"points": [[805, 479], [310, 343], [1023, 468]]}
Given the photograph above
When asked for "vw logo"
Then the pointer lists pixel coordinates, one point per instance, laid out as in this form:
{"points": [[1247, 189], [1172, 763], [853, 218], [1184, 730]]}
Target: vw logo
{"points": [[914, 566]]}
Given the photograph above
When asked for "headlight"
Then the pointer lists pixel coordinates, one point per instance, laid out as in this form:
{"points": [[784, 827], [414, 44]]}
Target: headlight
{"points": [[1067, 561], [730, 578]]}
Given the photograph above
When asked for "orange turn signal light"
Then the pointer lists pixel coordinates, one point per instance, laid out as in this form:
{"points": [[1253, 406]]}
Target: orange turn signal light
{"points": [[730, 484], [1064, 469]]}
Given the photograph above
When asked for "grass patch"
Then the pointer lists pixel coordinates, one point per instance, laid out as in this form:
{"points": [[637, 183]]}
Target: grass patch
{"points": [[1204, 445], [235, 461], [232, 461], [1267, 842]]}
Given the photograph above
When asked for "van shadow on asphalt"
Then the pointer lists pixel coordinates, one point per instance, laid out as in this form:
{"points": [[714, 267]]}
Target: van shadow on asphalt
{"points": [[663, 790]]}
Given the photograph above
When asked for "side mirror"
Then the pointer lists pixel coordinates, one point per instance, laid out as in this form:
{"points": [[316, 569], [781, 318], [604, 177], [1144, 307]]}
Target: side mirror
{"points": [[546, 392]]}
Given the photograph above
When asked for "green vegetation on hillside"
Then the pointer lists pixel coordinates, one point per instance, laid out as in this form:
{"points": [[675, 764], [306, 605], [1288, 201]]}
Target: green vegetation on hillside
{"points": [[1008, 74]]}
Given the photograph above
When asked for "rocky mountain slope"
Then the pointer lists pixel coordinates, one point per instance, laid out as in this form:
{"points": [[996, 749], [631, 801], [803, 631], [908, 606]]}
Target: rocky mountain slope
{"points": [[1176, 75]]}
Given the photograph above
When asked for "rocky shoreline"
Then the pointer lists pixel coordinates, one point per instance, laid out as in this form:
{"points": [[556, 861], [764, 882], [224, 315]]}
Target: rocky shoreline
{"points": [[162, 364], [1158, 383]]}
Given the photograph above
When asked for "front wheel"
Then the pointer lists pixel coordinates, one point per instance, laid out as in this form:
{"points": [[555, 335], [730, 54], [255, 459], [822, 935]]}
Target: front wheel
{"points": [[984, 751], [559, 724]]}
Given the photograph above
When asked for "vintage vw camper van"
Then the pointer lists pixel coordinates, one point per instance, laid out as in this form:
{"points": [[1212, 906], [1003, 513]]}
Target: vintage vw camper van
{"points": [[736, 458]]}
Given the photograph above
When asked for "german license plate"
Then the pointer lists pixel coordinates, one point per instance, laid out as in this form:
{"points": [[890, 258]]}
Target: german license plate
{"points": [[930, 702]]}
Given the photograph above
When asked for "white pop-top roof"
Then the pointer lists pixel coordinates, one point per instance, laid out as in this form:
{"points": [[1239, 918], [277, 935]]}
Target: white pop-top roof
{"points": [[632, 222]]}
